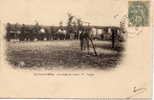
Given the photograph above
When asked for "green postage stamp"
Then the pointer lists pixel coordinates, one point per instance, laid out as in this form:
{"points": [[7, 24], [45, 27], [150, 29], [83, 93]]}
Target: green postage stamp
{"points": [[138, 13]]}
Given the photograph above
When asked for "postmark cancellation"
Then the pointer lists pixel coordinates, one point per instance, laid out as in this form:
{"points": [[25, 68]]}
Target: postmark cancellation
{"points": [[138, 13]]}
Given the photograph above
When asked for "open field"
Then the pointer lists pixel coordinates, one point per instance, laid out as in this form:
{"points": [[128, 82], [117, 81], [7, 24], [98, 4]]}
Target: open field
{"points": [[62, 54]]}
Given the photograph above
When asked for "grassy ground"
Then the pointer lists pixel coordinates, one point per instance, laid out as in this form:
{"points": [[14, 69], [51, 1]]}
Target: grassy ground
{"points": [[61, 54]]}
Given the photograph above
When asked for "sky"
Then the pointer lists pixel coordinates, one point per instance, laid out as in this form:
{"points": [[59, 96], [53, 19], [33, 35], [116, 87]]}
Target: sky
{"points": [[51, 12]]}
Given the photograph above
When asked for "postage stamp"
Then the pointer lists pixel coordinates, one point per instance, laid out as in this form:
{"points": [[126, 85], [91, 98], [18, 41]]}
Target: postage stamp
{"points": [[138, 13]]}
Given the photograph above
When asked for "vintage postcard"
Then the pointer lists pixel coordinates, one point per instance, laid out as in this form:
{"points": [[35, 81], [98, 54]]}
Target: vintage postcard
{"points": [[76, 49]]}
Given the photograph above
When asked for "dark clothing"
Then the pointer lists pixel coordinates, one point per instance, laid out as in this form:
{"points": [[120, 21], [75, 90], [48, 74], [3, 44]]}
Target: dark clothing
{"points": [[81, 40], [84, 40], [114, 33], [82, 36]]}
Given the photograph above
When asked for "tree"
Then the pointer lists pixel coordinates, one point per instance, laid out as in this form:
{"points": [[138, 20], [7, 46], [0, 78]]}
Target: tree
{"points": [[69, 25]]}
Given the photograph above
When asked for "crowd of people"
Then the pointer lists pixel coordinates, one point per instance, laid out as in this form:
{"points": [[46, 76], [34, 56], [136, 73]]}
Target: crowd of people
{"points": [[30, 33]]}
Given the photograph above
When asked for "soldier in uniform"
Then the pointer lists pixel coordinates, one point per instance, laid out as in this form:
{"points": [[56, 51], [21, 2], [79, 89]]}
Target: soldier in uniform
{"points": [[84, 40]]}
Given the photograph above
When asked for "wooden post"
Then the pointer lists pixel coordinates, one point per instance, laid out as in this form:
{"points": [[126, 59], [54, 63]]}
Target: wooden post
{"points": [[93, 46]]}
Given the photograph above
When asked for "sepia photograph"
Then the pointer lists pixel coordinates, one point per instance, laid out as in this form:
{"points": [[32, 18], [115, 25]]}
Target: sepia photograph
{"points": [[101, 48], [77, 45]]}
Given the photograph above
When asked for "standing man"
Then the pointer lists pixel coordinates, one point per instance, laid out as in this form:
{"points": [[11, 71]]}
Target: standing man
{"points": [[82, 39], [114, 34], [86, 38]]}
